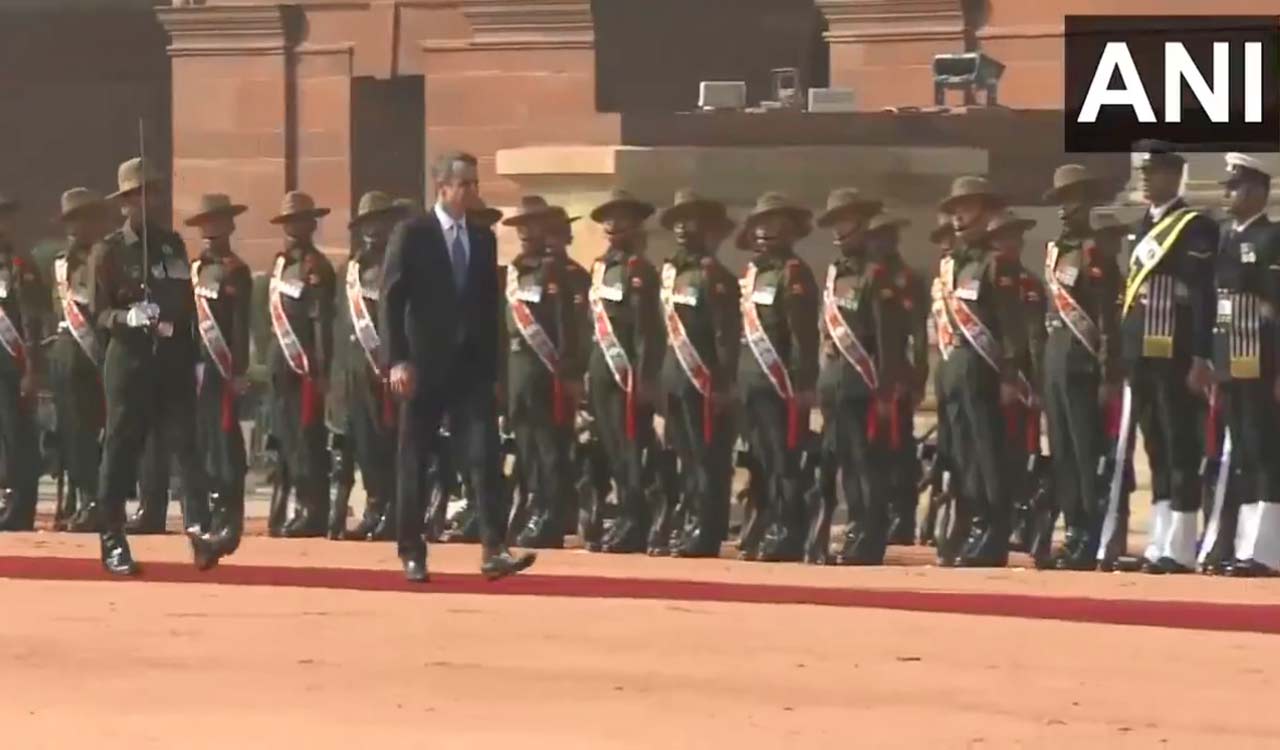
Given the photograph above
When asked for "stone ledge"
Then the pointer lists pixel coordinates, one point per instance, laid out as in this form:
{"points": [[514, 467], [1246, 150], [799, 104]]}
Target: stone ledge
{"points": [[851, 21], [224, 30]]}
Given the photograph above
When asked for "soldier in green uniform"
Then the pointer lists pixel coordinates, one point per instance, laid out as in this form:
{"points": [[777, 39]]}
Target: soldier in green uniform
{"points": [[912, 294], [864, 375], [1081, 368], [22, 306], [544, 363], [141, 298], [301, 304], [704, 329], [778, 368], [1166, 329], [75, 355], [1005, 234], [982, 376], [222, 286], [625, 362], [943, 236], [1243, 535], [371, 413]]}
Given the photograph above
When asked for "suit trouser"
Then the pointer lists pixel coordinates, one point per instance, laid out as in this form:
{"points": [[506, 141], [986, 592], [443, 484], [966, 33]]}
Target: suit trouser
{"points": [[1076, 437], [473, 424], [77, 393], [977, 436], [220, 442], [22, 465], [145, 395], [706, 468]]}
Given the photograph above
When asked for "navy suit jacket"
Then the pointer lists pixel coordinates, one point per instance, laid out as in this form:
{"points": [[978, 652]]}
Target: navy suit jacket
{"points": [[450, 336]]}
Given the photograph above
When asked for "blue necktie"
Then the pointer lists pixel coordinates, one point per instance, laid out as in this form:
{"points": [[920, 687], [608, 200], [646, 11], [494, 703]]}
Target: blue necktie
{"points": [[458, 254]]}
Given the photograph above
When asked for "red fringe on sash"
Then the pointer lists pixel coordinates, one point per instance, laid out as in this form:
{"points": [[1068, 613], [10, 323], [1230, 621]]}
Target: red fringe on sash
{"points": [[308, 401], [557, 402], [1011, 420], [793, 424], [228, 407]]}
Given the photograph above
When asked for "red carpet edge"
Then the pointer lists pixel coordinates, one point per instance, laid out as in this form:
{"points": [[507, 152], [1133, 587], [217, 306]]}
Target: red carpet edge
{"points": [[1187, 615]]}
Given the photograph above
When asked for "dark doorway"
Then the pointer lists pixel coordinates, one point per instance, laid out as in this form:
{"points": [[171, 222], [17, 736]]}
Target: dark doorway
{"points": [[651, 55], [388, 137]]}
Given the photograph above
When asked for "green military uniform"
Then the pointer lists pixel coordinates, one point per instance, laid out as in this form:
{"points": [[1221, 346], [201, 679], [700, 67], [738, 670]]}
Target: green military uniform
{"points": [[22, 302], [141, 299], [1082, 353], [626, 288], [912, 295], [700, 368], [986, 285], [865, 376], [783, 297], [76, 379], [540, 412], [223, 282], [1022, 420], [342, 462], [305, 284]]}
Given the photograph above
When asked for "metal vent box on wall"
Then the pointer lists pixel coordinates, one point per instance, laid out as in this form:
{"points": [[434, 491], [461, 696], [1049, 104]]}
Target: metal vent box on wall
{"points": [[722, 95], [831, 100]]}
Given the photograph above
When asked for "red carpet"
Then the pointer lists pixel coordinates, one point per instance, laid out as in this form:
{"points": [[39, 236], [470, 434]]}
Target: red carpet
{"points": [[1255, 618]]}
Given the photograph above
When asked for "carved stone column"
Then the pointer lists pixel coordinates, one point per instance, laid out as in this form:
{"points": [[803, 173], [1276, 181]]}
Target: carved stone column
{"points": [[884, 49], [229, 113], [524, 74]]}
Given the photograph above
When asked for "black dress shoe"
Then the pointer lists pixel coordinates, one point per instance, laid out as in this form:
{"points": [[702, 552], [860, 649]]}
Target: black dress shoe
{"points": [[501, 563], [1166, 566], [204, 552], [415, 570], [142, 525], [1250, 569], [85, 521], [116, 558]]}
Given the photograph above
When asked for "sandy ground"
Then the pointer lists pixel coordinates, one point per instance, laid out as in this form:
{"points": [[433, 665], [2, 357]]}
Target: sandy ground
{"points": [[163, 665]]}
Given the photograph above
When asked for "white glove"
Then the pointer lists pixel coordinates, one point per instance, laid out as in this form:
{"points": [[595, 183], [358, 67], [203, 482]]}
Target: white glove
{"points": [[142, 315]]}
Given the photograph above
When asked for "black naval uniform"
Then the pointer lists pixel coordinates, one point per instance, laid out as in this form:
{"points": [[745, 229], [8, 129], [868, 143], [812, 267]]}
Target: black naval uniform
{"points": [[540, 413], [862, 426], [225, 284], [630, 298], [75, 376], [989, 284], [22, 297], [370, 410], [705, 296], [1247, 275], [1170, 321], [785, 297], [297, 401], [1074, 372], [148, 373]]}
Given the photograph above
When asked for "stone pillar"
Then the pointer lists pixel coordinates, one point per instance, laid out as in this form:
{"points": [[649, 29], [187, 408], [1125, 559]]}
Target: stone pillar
{"points": [[322, 122], [514, 72], [230, 74], [884, 49]]}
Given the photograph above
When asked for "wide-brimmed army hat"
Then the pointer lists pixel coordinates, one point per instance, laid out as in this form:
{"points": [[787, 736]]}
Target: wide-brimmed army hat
{"points": [[532, 208], [373, 204], [563, 215], [1072, 177], [944, 228], [1153, 154], [298, 205], [970, 187], [845, 201], [78, 201], [886, 222], [213, 205], [1006, 222], [482, 214], [688, 203], [621, 200], [133, 175], [775, 204]]}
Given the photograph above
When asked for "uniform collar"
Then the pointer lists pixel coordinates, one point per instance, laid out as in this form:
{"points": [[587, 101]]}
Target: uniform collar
{"points": [[1240, 226], [1157, 213], [528, 261]]}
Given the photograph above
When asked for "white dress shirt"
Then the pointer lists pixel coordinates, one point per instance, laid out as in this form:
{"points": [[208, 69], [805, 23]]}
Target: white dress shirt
{"points": [[454, 228], [1240, 226], [1158, 212]]}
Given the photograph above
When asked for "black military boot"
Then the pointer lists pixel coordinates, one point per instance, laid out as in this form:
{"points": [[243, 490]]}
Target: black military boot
{"points": [[116, 557], [312, 517], [278, 512], [988, 548], [86, 520], [629, 533]]}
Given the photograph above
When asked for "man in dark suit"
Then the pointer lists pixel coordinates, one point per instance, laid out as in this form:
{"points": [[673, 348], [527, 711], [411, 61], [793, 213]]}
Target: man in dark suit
{"points": [[439, 310]]}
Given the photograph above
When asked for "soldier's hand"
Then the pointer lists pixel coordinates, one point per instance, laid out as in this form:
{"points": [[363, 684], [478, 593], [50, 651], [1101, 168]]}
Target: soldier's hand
{"points": [[1008, 393], [139, 316], [404, 380], [1107, 393], [1200, 378], [240, 385]]}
